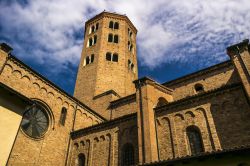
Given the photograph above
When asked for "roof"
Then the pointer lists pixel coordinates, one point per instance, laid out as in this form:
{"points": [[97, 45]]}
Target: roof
{"points": [[12, 57], [234, 150], [111, 14], [191, 99], [199, 73]]}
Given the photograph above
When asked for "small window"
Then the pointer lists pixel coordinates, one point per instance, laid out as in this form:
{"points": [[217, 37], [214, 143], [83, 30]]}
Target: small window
{"points": [[132, 67], [108, 56], [92, 58], [194, 140], [128, 157], [131, 47], [90, 42], [115, 58], [87, 60], [161, 101], [116, 26], [129, 63], [116, 39], [130, 34], [111, 24], [63, 116], [199, 88], [95, 39], [81, 160], [92, 29], [110, 38], [96, 26]]}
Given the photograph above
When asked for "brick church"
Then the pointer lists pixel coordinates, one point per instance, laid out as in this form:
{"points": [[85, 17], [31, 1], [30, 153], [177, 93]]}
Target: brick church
{"points": [[114, 118]]}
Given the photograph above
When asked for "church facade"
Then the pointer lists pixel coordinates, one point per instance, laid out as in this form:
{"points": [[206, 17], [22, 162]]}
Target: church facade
{"points": [[114, 118]]}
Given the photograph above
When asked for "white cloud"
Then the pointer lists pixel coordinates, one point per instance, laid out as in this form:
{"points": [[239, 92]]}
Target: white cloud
{"points": [[169, 31]]}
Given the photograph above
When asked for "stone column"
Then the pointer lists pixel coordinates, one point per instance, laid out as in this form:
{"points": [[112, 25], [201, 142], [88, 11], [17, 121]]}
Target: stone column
{"points": [[147, 141]]}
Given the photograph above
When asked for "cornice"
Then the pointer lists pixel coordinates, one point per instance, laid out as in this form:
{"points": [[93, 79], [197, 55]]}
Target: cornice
{"points": [[201, 96], [87, 130], [106, 93], [122, 101], [238, 48], [148, 81], [112, 15]]}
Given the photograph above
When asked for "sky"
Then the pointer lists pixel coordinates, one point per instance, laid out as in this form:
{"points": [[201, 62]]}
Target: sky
{"points": [[175, 37]]}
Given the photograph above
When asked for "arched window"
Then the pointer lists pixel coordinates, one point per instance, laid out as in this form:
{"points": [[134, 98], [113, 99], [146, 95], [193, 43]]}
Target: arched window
{"points": [[161, 101], [130, 34], [90, 42], [116, 26], [63, 116], [92, 58], [194, 140], [132, 67], [110, 38], [115, 58], [108, 56], [92, 29], [96, 26], [81, 159], [111, 24], [128, 155], [131, 47], [87, 60], [116, 39], [129, 63], [128, 44], [95, 39], [198, 88]]}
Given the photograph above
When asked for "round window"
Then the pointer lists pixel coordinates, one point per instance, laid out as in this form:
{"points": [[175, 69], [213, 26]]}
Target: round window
{"points": [[35, 121]]}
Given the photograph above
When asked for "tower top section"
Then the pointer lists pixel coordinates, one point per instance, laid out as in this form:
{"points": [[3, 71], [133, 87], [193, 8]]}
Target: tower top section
{"points": [[111, 15]]}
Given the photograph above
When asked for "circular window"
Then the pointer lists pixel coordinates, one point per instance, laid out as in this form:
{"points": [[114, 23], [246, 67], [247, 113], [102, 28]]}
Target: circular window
{"points": [[35, 121]]}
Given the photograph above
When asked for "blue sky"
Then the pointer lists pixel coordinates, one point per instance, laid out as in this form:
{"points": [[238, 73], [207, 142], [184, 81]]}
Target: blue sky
{"points": [[174, 38]]}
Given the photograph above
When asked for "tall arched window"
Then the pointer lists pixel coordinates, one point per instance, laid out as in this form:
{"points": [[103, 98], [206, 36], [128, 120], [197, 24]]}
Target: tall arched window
{"points": [[116, 39], [111, 24], [194, 140], [108, 56], [110, 38], [63, 116], [81, 159], [115, 57], [116, 26], [128, 155]]}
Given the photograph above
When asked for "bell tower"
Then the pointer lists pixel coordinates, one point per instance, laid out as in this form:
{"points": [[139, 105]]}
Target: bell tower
{"points": [[108, 64]]}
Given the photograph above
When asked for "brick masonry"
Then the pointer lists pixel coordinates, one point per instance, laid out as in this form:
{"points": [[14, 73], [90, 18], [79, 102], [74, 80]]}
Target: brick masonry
{"points": [[112, 107]]}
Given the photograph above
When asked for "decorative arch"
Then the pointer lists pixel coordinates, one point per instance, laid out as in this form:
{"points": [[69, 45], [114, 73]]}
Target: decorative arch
{"points": [[190, 113], [178, 115]]}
